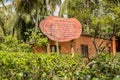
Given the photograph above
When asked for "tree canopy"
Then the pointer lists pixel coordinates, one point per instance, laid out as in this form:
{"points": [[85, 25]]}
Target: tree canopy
{"points": [[98, 17]]}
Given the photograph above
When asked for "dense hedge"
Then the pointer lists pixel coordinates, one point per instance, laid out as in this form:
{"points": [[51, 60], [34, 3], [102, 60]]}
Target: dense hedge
{"points": [[11, 44], [28, 66]]}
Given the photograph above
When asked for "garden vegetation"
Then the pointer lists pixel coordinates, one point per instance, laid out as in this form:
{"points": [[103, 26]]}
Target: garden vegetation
{"points": [[28, 66]]}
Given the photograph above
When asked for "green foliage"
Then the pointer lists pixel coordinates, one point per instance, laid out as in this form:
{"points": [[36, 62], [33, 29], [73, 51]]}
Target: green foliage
{"points": [[37, 39], [23, 47], [27, 66], [7, 19], [13, 45], [105, 67], [76, 9], [10, 41], [102, 15]]}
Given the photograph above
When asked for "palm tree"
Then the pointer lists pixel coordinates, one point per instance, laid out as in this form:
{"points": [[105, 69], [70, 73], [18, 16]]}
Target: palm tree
{"points": [[6, 19], [35, 9]]}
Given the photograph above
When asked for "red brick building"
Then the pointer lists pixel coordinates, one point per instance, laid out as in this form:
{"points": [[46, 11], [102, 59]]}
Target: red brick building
{"points": [[84, 46], [65, 29]]}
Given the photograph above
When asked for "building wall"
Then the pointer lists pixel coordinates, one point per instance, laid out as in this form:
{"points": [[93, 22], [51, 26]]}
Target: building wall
{"points": [[65, 47], [89, 41]]}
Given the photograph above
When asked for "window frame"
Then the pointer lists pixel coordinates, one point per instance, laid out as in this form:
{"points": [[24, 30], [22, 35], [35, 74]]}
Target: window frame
{"points": [[53, 46], [84, 50]]}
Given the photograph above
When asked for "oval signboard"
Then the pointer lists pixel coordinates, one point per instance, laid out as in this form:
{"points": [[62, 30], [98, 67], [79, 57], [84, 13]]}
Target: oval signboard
{"points": [[61, 29]]}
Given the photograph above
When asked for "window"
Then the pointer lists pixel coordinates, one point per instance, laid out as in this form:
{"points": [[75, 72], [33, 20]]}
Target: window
{"points": [[84, 50], [53, 48], [109, 49]]}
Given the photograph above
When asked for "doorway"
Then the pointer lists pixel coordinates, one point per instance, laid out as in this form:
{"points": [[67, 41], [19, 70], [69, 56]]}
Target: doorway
{"points": [[118, 44]]}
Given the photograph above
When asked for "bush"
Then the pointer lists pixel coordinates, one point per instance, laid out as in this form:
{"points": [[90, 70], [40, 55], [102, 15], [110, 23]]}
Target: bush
{"points": [[11, 44], [24, 47], [28, 66], [105, 67]]}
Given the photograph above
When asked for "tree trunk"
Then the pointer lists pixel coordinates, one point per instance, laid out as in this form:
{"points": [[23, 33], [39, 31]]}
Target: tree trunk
{"points": [[2, 26], [57, 46], [4, 4], [114, 45], [13, 31], [36, 23], [72, 48], [4, 31]]}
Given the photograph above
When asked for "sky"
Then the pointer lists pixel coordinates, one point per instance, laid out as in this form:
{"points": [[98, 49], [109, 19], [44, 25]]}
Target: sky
{"points": [[6, 3], [57, 9]]}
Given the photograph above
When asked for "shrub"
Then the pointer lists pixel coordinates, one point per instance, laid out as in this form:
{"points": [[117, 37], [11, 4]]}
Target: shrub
{"points": [[105, 67], [28, 66], [11, 44], [24, 47]]}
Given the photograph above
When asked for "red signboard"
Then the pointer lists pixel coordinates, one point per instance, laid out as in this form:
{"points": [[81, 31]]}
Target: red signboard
{"points": [[61, 29]]}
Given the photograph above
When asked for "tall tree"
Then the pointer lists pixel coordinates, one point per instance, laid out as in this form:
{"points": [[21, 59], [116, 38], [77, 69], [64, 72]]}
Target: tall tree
{"points": [[35, 10], [99, 18], [6, 19]]}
